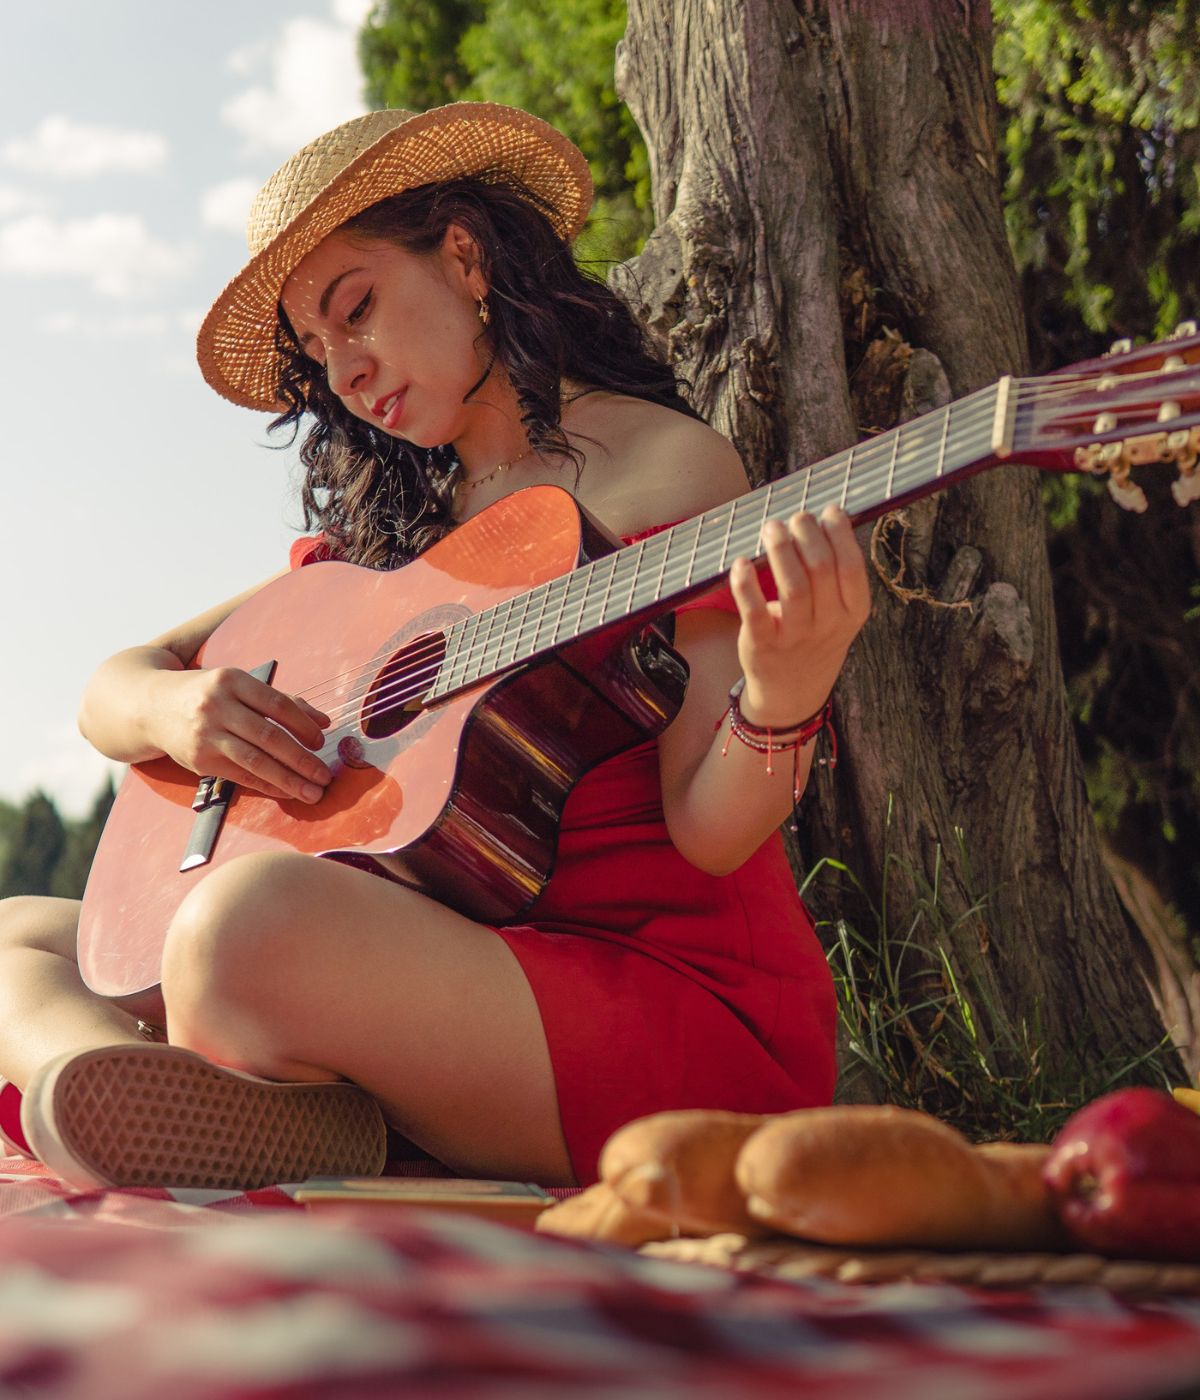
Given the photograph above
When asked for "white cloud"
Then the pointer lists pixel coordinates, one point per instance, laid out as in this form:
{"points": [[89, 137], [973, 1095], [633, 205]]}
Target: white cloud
{"points": [[16, 201], [313, 83], [351, 12], [144, 326], [115, 253], [226, 206], [243, 62], [60, 146]]}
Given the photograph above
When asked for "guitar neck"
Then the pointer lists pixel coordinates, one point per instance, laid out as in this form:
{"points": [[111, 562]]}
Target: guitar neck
{"points": [[656, 574]]}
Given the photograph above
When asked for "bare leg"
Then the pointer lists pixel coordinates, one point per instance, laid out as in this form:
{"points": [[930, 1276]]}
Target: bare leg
{"points": [[45, 1009], [296, 968]]}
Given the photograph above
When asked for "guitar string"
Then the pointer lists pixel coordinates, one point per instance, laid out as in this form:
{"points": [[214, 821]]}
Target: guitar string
{"points": [[1031, 392], [425, 664], [678, 583], [400, 688], [399, 693], [829, 468], [388, 697]]}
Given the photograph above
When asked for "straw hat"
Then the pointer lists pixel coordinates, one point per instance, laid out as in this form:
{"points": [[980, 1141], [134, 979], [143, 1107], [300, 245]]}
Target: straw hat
{"points": [[342, 173]]}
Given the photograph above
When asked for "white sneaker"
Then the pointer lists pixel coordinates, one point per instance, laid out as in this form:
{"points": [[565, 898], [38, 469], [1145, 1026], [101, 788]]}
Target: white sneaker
{"points": [[158, 1115]]}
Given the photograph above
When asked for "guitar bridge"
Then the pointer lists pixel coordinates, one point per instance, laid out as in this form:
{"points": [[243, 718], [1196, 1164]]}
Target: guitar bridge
{"points": [[212, 799]]}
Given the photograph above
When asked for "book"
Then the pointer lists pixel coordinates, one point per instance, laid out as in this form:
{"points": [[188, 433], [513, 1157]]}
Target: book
{"points": [[516, 1202]]}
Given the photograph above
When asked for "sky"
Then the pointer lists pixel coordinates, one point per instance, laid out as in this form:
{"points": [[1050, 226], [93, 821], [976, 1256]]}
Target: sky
{"points": [[133, 135]]}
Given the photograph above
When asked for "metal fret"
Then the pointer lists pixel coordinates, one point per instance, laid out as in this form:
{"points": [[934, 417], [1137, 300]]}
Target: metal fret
{"points": [[479, 660], [846, 483], [887, 490], [519, 629], [607, 568], [723, 558], [455, 673], [541, 619], [689, 572], [666, 537], [624, 563], [768, 492], [941, 462], [637, 568], [587, 583], [552, 636]]}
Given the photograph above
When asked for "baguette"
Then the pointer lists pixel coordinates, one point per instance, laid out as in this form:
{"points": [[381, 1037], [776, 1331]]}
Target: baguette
{"points": [[679, 1167], [861, 1175], [599, 1214]]}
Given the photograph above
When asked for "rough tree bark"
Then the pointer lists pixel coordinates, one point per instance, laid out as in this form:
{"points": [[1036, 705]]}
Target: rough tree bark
{"points": [[825, 174]]}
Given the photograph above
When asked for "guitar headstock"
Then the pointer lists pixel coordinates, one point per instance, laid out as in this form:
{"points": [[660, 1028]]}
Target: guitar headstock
{"points": [[1106, 416]]}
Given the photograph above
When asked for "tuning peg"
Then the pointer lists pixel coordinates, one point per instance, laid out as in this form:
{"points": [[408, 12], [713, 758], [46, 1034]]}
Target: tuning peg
{"points": [[1183, 330], [1119, 347], [1167, 410], [1127, 494], [1186, 487]]}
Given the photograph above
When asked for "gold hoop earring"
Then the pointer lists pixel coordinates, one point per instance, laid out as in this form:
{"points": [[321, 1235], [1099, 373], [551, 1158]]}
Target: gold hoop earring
{"points": [[484, 314]]}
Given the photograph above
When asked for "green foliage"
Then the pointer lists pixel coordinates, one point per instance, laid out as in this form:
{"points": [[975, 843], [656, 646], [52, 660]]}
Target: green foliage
{"points": [[40, 853], [71, 872], [1101, 118], [9, 821], [927, 1040], [1125, 590], [408, 50], [34, 850], [1101, 108], [553, 60]]}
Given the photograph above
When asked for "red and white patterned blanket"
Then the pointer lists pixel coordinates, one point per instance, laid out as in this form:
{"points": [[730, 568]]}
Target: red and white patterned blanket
{"points": [[128, 1295]]}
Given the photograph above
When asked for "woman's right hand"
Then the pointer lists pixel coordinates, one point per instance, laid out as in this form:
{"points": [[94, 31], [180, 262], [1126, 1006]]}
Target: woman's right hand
{"points": [[224, 723]]}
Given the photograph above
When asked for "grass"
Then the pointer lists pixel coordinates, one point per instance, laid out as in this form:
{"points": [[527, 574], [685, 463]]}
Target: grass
{"points": [[913, 1033]]}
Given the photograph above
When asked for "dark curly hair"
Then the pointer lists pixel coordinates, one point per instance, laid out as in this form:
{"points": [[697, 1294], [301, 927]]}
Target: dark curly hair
{"points": [[380, 500]]}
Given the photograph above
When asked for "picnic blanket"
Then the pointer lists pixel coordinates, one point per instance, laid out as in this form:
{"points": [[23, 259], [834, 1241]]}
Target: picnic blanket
{"points": [[128, 1295]]}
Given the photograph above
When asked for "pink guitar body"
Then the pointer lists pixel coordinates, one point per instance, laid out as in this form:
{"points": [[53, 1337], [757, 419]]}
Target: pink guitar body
{"points": [[465, 795]]}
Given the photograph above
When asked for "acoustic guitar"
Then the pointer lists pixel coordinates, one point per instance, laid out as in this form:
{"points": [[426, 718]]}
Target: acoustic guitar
{"points": [[472, 688]]}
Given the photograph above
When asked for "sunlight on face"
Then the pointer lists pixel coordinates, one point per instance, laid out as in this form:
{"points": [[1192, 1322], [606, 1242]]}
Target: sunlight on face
{"points": [[396, 333]]}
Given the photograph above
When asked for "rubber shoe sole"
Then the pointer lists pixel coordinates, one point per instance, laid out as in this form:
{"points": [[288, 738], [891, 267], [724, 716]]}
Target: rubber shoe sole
{"points": [[158, 1115]]}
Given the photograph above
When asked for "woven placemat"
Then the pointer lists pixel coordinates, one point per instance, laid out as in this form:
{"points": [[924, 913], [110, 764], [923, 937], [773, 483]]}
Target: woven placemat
{"points": [[791, 1259]]}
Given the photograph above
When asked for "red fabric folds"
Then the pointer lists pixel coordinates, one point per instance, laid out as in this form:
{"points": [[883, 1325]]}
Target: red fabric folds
{"points": [[659, 986]]}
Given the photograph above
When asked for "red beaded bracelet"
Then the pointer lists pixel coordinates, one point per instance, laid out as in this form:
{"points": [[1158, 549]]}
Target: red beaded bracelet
{"points": [[773, 739]]}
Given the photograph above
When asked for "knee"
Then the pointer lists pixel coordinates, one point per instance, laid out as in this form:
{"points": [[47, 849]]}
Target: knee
{"points": [[224, 948]]}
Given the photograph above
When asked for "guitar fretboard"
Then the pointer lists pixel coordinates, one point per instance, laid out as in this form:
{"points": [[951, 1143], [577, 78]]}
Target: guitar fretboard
{"points": [[656, 573]]}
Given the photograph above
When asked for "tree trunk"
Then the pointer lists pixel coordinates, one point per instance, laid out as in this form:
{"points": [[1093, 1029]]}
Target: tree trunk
{"points": [[826, 193]]}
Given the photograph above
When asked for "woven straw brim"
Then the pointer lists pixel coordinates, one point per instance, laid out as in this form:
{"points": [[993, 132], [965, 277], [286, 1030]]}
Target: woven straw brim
{"points": [[236, 343]]}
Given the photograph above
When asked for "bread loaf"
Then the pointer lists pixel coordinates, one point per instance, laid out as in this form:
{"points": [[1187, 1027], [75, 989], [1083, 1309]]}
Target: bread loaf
{"points": [[599, 1214], [882, 1176], [679, 1167]]}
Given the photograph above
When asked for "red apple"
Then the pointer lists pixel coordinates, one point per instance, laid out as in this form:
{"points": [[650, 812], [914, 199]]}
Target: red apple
{"points": [[1124, 1174]]}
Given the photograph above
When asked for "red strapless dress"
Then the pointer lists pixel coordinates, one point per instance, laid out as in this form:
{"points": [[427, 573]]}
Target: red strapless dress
{"points": [[659, 986]]}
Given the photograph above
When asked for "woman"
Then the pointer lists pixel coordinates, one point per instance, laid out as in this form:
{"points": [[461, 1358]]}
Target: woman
{"points": [[412, 290]]}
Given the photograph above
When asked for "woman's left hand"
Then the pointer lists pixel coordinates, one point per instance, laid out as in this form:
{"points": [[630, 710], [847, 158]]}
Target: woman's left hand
{"points": [[792, 649]]}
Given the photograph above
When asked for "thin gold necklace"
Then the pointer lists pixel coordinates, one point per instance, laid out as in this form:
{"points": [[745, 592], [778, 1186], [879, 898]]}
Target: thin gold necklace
{"points": [[469, 483]]}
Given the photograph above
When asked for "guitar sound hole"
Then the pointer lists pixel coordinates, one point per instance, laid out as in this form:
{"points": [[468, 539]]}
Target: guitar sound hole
{"points": [[392, 703]]}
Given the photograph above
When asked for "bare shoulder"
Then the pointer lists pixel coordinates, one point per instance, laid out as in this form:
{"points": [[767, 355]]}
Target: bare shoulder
{"points": [[651, 464]]}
